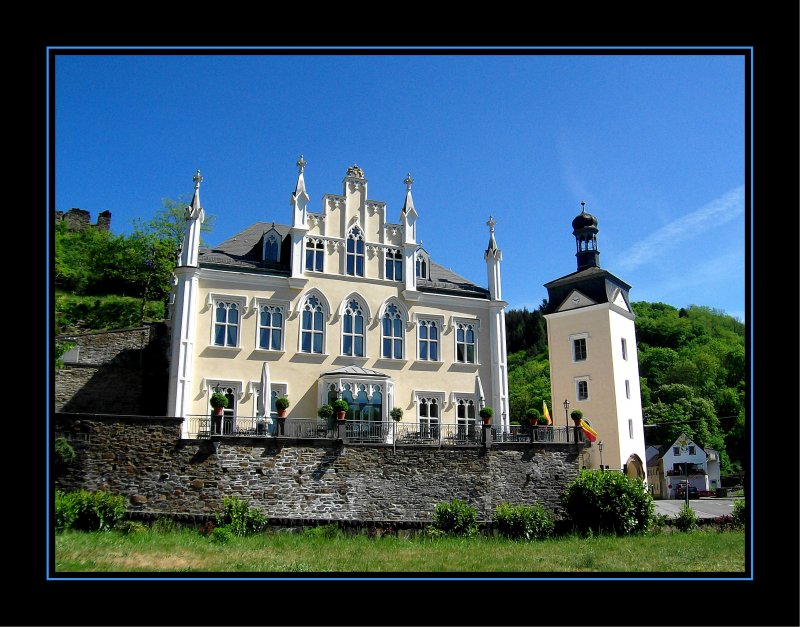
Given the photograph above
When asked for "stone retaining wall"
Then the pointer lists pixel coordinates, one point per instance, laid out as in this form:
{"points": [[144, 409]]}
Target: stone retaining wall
{"points": [[144, 460]]}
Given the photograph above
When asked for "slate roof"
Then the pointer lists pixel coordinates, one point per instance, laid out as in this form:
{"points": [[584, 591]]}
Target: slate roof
{"points": [[243, 251], [595, 282]]}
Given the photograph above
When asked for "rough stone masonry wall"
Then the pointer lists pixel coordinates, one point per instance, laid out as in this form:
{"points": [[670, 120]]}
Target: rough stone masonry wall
{"points": [[116, 372], [144, 460]]}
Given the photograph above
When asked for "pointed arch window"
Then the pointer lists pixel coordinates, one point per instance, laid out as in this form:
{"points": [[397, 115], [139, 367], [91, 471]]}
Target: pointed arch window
{"points": [[226, 323], [465, 343], [392, 333], [394, 265], [355, 252], [312, 334], [353, 330], [270, 327], [315, 255], [272, 247], [428, 331], [422, 266]]}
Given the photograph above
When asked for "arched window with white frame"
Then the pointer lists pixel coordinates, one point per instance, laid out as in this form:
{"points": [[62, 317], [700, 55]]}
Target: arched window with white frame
{"points": [[354, 265], [312, 330], [353, 340], [272, 247], [392, 339], [226, 323], [466, 352]]}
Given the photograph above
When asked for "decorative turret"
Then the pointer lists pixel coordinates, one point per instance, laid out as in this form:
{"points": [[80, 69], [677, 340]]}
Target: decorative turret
{"points": [[408, 218], [584, 228], [300, 197], [194, 214], [493, 257]]}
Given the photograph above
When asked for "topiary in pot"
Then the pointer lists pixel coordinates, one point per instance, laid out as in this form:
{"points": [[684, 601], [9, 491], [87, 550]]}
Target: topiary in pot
{"points": [[534, 415], [219, 402], [326, 411], [340, 407], [576, 415], [396, 414], [281, 403], [486, 413]]}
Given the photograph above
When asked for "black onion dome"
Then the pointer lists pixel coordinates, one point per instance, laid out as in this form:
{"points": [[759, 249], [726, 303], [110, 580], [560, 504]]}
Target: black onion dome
{"points": [[584, 220]]}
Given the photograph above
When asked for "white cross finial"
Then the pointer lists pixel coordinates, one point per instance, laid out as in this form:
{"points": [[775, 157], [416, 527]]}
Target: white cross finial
{"points": [[301, 164]]}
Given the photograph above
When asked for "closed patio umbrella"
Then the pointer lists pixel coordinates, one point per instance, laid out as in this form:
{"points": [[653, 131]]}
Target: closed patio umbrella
{"points": [[264, 394]]}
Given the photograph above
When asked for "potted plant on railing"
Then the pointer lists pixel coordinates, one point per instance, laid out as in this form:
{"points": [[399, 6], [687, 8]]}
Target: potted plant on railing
{"points": [[218, 402], [396, 414], [281, 403], [340, 407], [486, 414], [533, 415], [325, 412], [577, 416]]}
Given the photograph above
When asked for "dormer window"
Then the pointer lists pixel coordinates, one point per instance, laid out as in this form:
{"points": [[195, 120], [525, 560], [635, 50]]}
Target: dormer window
{"points": [[423, 264], [272, 246]]}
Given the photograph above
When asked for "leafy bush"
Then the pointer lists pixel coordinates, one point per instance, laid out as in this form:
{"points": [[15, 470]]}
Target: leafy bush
{"points": [[328, 532], [65, 454], [523, 521], [533, 414], [340, 405], [61, 348], [218, 399], [486, 412], [221, 535], [740, 512], [608, 502], [103, 312], [658, 522], [326, 411], [131, 527], [164, 524], [686, 520], [240, 518], [281, 403], [455, 518], [576, 414], [396, 414], [88, 511]]}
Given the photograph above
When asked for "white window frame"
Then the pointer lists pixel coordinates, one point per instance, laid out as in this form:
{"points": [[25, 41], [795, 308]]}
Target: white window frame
{"points": [[209, 386], [578, 381], [317, 245], [366, 318], [361, 237], [466, 398], [475, 324], [573, 341], [439, 397], [403, 322], [325, 311], [215, 300], [440, 327], [284, 307], [395, 255]]}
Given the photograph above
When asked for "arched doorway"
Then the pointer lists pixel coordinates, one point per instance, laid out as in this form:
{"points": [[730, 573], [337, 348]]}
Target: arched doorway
{"points": [[634, 468]]}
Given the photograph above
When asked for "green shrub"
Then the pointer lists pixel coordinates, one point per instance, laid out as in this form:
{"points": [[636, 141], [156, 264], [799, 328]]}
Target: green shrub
{"points": [[65, 454], [740, 512], [455, 518], [88, 511], [325, 412], [340, 405], [222, 535], [686, 520], [103, 312], [328, 532], [131, 527], [523, 521], [239, 517], [608, 502], [164, 524]]}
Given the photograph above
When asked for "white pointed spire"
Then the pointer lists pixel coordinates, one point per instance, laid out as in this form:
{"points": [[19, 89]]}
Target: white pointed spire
{"points": [[194, 214], [492, 243], [493, 257], [300, 197], [408, 214]]}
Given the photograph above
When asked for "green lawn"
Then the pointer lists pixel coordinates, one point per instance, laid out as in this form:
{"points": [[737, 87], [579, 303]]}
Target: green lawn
{"points": [[701, 551]]}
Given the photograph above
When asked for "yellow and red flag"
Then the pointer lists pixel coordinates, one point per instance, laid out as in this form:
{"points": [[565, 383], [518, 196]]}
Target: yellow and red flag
{"points": [[547, 413], [590, 433]]}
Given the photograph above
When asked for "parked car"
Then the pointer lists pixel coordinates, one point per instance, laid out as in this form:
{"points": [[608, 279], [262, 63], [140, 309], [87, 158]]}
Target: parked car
{"points": [[681, 494]]}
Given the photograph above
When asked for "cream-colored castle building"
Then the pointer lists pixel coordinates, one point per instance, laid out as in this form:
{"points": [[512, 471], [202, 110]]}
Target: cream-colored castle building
{"points": [[594, 365], [341, 302]]}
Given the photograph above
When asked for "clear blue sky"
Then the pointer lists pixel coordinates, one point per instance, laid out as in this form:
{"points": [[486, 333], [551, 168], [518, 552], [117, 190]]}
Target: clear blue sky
{"points": [[655, 145]]}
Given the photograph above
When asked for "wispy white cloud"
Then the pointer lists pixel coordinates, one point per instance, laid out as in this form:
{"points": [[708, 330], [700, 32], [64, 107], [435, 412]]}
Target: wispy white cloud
{"points": [[719, 211]]}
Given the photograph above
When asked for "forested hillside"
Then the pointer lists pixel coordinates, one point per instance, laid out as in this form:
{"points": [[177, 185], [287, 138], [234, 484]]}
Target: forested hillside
{"points": [[692, 369]]}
